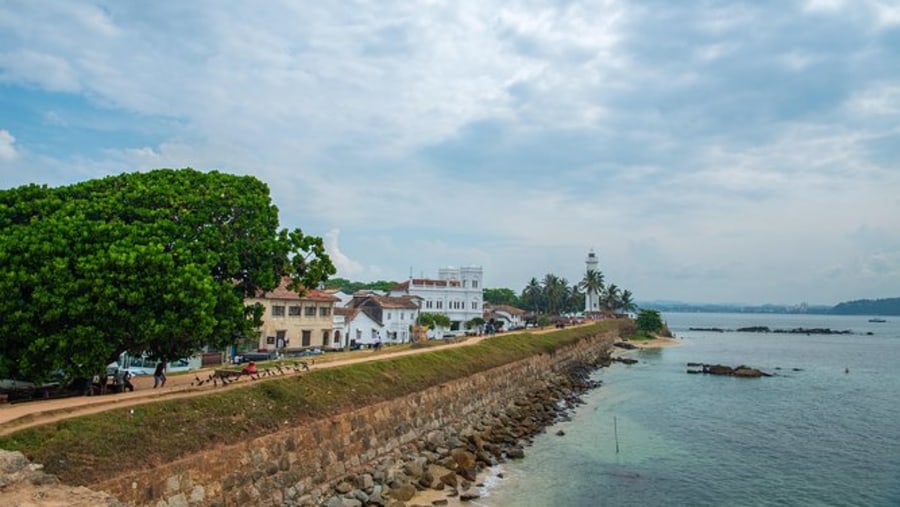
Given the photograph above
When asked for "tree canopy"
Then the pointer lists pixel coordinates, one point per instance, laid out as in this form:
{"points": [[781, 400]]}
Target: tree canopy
{"points": [[649, 321], [349, 287], [434, 320], [501, 296], [157, 262]]}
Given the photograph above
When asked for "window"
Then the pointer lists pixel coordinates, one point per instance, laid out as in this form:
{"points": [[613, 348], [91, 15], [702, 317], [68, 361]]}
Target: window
{"points": [[402, 315], [428, 304], [464, 284], [304, 339], [270, 340], [278, 311], [309, 311], [388, 315], [474, 305], [474, 284], [440, 304], [294, 311], [324, 311], [325, 337]]}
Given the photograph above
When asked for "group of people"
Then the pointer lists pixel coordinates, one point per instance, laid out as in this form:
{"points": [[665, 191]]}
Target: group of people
{"points": [[121, 382]]}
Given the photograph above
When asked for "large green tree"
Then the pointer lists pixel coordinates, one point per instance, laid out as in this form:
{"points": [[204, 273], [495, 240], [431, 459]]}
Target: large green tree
{"points": [[649, 321], [501, 296], [158, 262]]}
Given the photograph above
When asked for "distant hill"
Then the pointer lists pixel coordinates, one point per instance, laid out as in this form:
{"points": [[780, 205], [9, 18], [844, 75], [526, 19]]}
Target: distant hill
{"points": [[683, 307], [889, 306]]}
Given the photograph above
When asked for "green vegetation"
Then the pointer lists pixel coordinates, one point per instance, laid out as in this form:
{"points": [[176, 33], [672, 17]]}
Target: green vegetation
{"points": [[348, 287], [554, 296], [156, 262], [95, 447], [433, 320], [889, 306], [501, 296], [649, 322]]}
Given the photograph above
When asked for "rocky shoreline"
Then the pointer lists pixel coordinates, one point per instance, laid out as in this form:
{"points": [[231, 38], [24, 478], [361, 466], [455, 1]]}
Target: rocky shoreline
{"points": [[767, 329], [449, 463]]}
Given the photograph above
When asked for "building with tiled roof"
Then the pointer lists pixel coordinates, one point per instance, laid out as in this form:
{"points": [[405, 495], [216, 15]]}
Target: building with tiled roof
{"points": [[292, 321], [456, 293], [510, 316], [387, 319]]}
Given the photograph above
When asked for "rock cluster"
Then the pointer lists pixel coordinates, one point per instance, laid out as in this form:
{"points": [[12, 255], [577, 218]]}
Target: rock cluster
{"points": [[24, 483], [719, 369], [449, 461], [767, 329]]}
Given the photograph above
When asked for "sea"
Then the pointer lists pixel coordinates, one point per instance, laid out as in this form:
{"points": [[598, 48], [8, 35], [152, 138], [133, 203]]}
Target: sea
{"points": [[824, 430]]}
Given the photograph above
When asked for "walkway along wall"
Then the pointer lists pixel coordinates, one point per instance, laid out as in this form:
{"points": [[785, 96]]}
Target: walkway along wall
{"points": [[302, 462]]}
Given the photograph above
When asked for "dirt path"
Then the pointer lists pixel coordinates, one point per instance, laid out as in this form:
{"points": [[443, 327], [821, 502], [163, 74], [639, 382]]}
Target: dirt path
{"points": [[15, 417]]}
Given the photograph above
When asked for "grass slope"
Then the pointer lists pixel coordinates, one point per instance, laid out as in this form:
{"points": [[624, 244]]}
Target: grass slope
{"points": [[88, 449]]}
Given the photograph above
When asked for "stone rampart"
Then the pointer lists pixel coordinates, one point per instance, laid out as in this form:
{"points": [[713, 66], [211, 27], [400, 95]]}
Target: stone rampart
{"points": [[299, 464]]}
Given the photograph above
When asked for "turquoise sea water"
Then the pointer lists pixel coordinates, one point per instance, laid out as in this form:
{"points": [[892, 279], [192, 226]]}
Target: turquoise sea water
{"points": [[818, 436]]}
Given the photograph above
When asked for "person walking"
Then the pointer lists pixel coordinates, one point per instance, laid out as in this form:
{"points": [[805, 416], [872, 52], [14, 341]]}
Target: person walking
{"points": [[159, 375]]}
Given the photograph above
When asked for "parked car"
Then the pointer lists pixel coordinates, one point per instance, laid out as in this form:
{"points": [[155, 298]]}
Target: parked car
{"points": [[246, 357], [303, 353]]}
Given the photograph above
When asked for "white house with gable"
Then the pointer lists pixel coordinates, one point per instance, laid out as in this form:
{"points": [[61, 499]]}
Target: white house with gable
{"points": [[456, 293]]}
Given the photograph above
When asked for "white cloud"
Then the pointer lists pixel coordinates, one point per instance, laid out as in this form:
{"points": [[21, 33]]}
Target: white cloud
{"points": [[881, 99], [709, 133], [346, 267], [824, 5], [7, 146]]}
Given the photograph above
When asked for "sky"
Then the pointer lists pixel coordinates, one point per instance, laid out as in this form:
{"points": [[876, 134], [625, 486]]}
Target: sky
{"points": [[707, 151]]}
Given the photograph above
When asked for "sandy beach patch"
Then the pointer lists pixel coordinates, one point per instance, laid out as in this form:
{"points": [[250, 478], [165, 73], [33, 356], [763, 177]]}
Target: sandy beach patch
{"points": [[487, 479], [658, 342]]}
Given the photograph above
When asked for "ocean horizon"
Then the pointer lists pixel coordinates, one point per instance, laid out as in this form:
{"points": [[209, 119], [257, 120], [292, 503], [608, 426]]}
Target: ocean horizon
{"points": [[824, 430]]}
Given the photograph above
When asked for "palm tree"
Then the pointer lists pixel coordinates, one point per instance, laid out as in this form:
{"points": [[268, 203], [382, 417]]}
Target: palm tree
{"points": [[612, 298], [574, 299], [592, 284], [553, 292], [531, 295], [627, 301]]}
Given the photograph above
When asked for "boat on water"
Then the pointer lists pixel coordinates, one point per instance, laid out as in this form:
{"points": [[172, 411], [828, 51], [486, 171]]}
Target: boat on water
{"points": [[876, 319]]}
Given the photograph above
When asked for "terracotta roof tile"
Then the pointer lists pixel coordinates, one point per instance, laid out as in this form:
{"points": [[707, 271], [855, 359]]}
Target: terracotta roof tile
{"points": [[282, 292]]}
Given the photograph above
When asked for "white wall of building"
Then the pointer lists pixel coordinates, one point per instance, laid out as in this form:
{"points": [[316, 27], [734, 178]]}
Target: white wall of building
{"points": [[460, 302]]}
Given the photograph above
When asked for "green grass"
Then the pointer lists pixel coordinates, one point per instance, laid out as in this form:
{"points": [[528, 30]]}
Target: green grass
{"points": [[87, 449]]}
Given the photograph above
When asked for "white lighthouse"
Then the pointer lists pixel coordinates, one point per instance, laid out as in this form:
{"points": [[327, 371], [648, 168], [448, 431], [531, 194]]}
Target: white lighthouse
{"points": [[591, 295]]}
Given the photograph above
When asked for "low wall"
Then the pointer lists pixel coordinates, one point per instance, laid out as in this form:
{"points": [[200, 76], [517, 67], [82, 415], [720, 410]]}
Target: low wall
{"points": [[296, 465]]}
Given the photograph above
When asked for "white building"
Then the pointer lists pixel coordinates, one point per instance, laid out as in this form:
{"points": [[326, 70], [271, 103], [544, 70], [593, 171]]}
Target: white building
{"points": [[369, 319], [591, 297], [456, 293], [512, 318]]}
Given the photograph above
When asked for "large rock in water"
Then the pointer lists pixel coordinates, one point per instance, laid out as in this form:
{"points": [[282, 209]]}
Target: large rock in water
{"points": [[744, 371], [718, 369]]}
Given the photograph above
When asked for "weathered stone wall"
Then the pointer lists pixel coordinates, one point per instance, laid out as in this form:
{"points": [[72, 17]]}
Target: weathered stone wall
{"points": [[286, 466]]}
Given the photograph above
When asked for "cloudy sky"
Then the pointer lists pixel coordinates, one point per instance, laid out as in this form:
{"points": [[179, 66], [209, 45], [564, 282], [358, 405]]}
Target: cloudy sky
{"points": [[709, 151]]}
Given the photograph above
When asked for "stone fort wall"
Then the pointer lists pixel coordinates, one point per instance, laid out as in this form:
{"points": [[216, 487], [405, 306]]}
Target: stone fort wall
{"points": [[299, 463]]}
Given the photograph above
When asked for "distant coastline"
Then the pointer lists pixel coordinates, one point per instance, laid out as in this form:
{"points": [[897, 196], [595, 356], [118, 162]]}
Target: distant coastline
{"points": [[866, 307]]}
